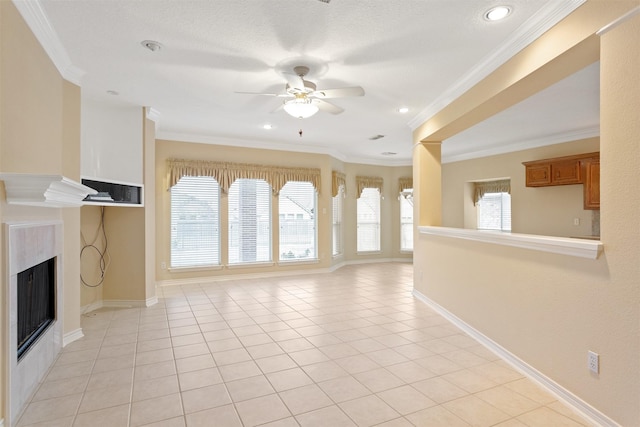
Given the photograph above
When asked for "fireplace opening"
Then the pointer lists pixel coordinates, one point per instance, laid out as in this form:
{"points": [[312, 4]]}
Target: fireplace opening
{"points": [[36, 303]]}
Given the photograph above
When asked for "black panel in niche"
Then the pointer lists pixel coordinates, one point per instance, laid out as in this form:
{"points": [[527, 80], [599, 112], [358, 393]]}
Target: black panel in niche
{"points": [[120, 193]]}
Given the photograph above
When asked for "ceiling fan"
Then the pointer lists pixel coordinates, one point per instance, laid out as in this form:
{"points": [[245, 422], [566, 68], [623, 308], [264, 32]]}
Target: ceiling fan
{"points": [[306, 100]]}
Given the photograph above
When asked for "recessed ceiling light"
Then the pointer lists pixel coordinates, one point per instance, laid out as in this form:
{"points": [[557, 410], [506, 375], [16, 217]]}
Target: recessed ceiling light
{"points": [[267, 126], [388, 153], [113, 92], [152, 45], [375, 137], [403, 110], [497, 13]]}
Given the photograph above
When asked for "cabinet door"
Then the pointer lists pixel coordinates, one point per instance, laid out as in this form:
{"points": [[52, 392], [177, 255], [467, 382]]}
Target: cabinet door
{"points": [[566, 172], [592, 184], [538, 175]]}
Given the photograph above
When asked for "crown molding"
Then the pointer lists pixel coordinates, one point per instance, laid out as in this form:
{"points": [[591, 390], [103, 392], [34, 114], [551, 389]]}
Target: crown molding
{"points": [[153, 115], [528, 32], [510, 147], [36, 18]]}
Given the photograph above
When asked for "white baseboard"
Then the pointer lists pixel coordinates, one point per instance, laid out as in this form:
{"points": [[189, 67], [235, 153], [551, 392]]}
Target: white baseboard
{"points": [[91, 307], [123, 303], [271, 274], [151, 301], [570, 399], [70, 337]]}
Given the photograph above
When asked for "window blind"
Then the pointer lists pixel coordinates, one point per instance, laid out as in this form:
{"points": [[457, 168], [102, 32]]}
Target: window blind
{"points": [[249, 221], [338, 245], [297, 215], [368, 220], [494, 211], [195, 231], [406, 222]]}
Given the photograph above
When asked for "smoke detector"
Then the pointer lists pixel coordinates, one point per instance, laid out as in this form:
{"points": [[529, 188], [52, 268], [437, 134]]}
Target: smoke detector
{"points": [[153, 46]]}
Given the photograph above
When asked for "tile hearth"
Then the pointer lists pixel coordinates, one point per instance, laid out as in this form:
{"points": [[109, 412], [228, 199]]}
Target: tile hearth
{"points": [[349, 348]]}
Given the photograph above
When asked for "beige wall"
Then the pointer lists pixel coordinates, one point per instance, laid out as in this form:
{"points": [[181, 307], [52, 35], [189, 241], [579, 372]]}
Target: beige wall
{"points": [[547, 210], [390, 206], [550, 310], [39, 133]]}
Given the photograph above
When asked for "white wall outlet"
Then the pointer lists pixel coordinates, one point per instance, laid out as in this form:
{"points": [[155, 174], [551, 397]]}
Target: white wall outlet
{"points": [[593, 362], [576, 221], [163, 265]]}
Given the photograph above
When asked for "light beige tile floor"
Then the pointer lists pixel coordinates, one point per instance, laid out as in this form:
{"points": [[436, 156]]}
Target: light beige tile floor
{"points": [[350, 348]]}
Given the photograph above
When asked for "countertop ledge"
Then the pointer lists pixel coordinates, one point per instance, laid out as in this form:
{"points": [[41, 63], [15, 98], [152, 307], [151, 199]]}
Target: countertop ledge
{"points": [[582, 248]]}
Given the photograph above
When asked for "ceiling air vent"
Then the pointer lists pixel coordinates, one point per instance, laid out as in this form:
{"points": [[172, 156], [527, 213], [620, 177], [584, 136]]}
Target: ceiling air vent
{"points": [[373, 138]]}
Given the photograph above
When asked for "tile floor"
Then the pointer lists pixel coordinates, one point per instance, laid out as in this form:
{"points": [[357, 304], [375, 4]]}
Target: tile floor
{"points": [[350, 348]]}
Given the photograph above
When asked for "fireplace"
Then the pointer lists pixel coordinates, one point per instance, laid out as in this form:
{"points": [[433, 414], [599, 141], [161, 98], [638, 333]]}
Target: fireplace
{"points": [[33, 308], [36, 303]]}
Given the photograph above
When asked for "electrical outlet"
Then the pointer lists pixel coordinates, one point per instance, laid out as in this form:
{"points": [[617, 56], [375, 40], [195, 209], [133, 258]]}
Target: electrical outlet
{"points": [[576, 221], [163, 265], [593, 362]]}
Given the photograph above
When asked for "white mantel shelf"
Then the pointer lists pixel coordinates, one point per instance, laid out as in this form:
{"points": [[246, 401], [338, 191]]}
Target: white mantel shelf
{"points": [[53, 191], [582, 248]]}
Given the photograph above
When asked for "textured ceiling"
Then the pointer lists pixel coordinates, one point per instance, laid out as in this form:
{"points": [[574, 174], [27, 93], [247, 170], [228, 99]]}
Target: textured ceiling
{"points": [[414, 53]]}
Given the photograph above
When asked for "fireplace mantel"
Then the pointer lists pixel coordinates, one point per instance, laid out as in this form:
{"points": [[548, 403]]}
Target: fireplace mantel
{"points": [[54, 191]]}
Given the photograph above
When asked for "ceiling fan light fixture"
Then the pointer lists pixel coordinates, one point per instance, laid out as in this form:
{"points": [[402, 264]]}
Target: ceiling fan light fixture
{"points": [[300, 108]]}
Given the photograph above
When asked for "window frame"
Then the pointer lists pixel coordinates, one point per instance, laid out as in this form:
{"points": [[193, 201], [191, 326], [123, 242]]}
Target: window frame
{"points": [[405, 196], [366, 191], [480, 207], [293, 219], [217, 236], [268, 223], [337, 250]]}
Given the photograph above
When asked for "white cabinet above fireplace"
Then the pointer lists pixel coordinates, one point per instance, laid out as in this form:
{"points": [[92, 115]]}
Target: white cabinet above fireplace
{"points": [[111, 142]]}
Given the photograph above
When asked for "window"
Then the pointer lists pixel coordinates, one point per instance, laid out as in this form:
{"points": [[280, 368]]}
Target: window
{"points": [[494, 211], [195, 230], [249, 221], [338, 246], [297, 201], [368, 220], [406, 220]]}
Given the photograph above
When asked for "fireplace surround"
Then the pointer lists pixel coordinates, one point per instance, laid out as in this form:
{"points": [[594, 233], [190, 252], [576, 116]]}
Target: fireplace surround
{"points": [[29, 244]]}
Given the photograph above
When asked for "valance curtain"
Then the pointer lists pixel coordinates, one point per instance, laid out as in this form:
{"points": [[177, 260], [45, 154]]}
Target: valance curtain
{"points": [[338, 179], [480, 188], [226, 173], [363, 182], [405, 183]]}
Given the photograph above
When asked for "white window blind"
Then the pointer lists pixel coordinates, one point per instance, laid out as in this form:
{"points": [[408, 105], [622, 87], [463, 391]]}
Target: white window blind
{"points": [[406, 221], [338, 245], [249, 221], [195, 231], [368, 220], [494, 212], [297, 214]]}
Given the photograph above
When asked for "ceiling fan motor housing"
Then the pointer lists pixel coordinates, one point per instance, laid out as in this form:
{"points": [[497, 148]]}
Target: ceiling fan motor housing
{"points": [[309, 87]]}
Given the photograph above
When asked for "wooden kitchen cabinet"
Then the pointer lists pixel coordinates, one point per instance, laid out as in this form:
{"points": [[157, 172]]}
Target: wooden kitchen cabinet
{"points": [[557, 171], [578, 169], [591, 169]]}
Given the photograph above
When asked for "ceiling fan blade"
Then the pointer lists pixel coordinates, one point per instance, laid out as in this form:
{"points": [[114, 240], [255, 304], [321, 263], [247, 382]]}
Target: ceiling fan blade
{"points": [[294, 81], [280, 95], [328, 107], [280, 107], [339, 93]]}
